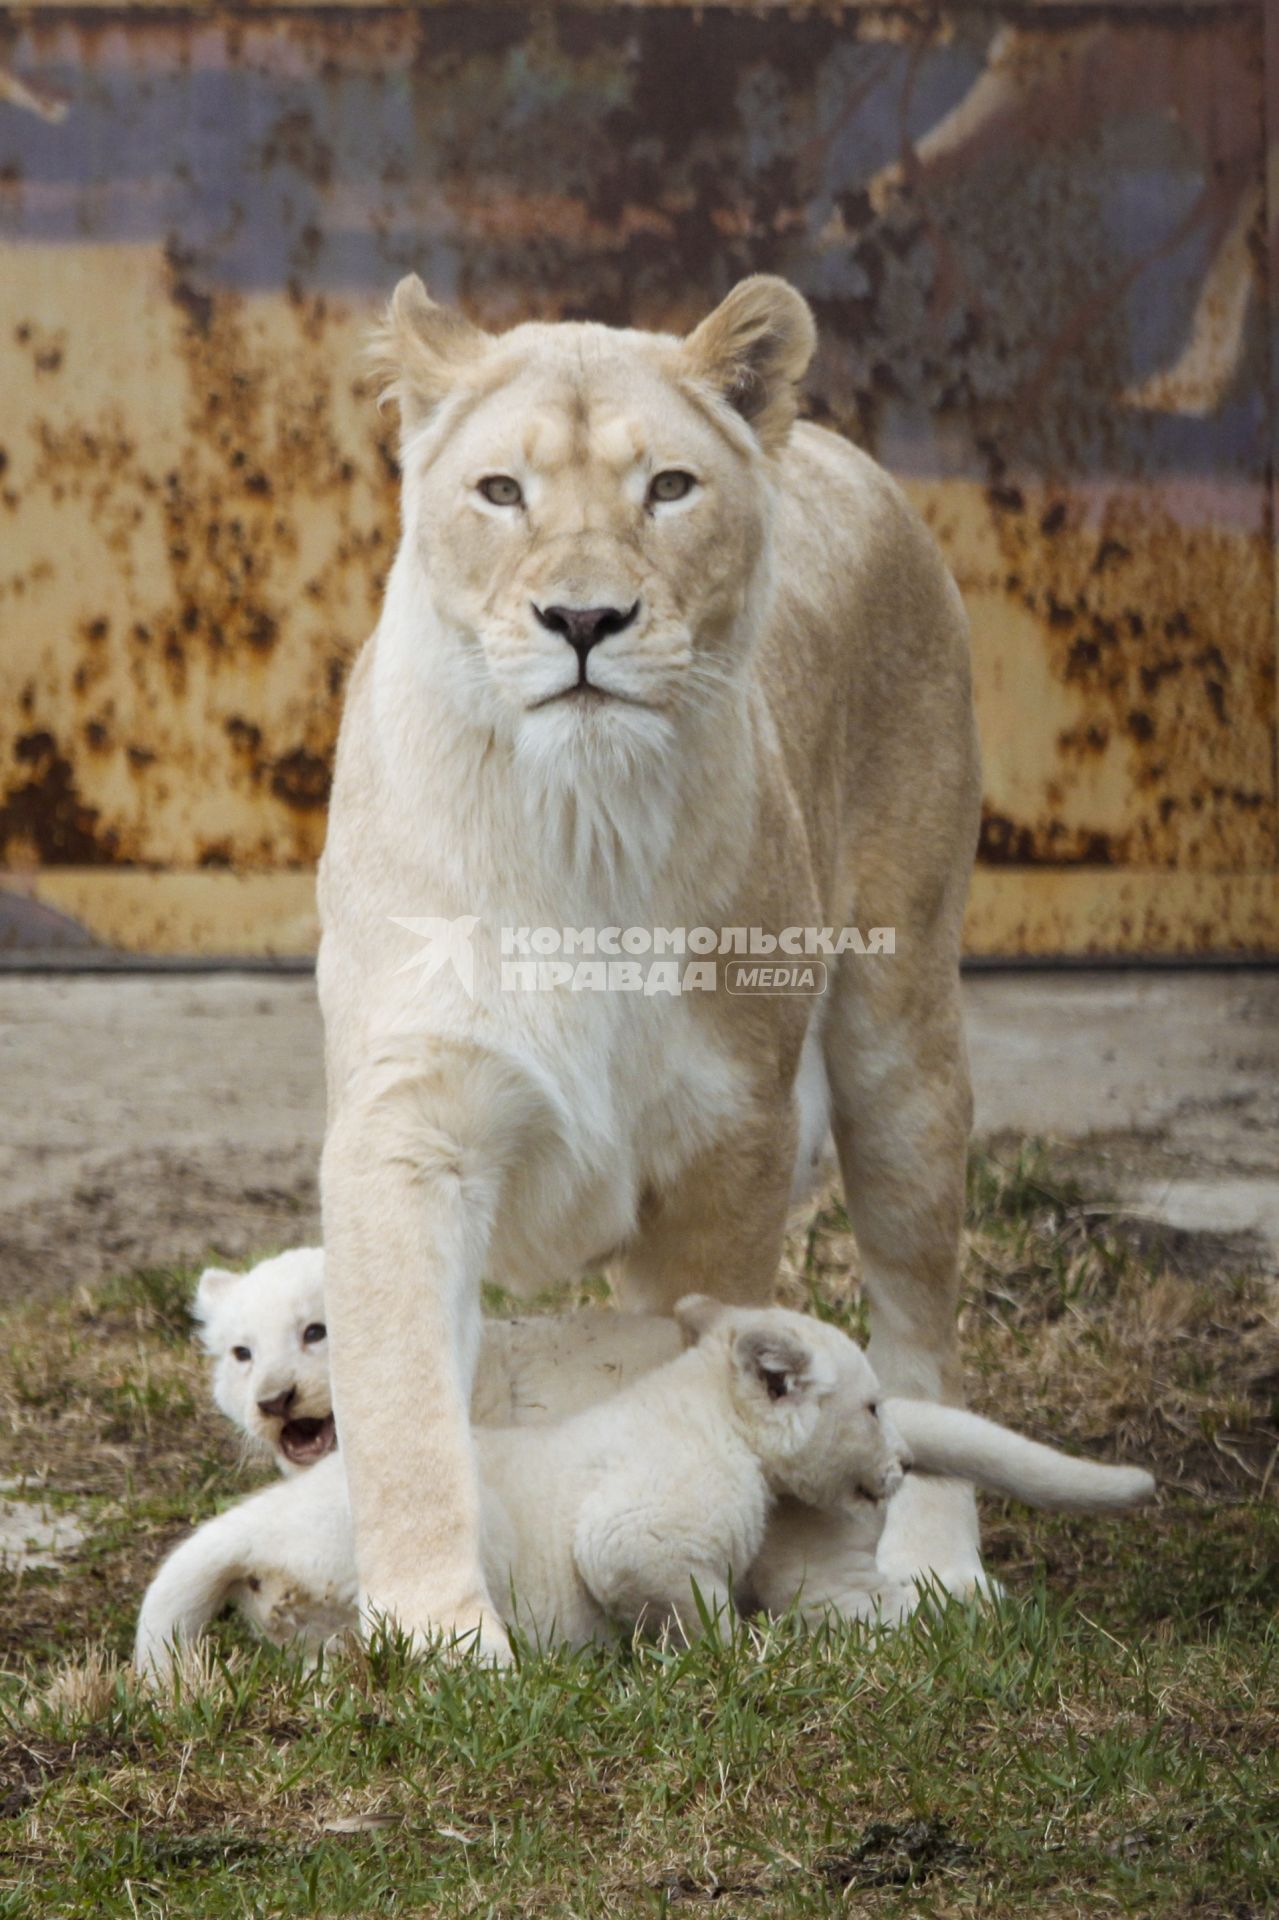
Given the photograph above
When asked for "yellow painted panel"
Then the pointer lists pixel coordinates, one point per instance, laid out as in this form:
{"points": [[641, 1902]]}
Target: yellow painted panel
{"points": [[1039, 913]]}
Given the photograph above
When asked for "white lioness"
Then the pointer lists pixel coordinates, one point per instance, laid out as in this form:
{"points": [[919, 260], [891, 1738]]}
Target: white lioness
{"points": [[692, 1477], [651, 657]]}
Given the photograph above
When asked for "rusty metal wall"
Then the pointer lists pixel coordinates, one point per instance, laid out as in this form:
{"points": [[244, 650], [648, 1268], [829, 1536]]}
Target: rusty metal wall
{"points": [[1040, 244]]}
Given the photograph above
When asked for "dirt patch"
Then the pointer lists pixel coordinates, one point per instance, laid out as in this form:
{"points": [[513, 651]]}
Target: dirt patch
{"points": [[28, 1766], [134, 1207], [150, 1121], [162, 1119], [896, 1854], [33, 1535]]}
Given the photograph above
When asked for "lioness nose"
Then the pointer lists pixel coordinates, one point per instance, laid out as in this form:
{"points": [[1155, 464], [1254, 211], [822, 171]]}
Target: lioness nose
{"points": [[277, 1407], [585, 627]]}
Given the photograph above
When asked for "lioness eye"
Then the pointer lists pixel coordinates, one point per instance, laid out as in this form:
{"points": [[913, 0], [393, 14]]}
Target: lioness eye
{"points": [[672, 485], [501, 491], [316, 1331], [241, 1353]]}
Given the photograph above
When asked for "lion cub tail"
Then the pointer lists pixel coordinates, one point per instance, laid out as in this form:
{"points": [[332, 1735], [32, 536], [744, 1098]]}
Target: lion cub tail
{"points": [[951, 1441], [190, 1589]]}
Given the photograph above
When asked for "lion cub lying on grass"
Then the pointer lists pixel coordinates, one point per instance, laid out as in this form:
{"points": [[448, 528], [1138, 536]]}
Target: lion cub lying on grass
{"points": [[725, 1467]]}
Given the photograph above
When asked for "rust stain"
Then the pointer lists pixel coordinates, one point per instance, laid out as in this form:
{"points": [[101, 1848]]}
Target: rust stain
{"points": [[1163, 635], [302, 778], [43, 818], [258, 447]]}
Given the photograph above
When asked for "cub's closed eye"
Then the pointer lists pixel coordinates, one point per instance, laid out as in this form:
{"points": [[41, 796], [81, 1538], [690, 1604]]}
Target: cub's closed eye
{"points": [[242, 1353], [674, 484], [315, 1332], [501, 491]]}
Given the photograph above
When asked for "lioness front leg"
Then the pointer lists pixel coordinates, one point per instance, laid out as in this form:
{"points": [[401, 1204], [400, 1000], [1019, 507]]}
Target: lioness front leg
{"points": [[413, 1162]]}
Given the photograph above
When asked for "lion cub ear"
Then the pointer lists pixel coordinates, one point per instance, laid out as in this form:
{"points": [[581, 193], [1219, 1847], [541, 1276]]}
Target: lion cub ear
{"points": [[420, 350], [754, 350], [215, 1284], [777, 1361]]}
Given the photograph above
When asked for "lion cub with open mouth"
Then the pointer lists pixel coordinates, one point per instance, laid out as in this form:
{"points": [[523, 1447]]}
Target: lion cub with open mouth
{"points": [[266, 1334], [721, 1474]]}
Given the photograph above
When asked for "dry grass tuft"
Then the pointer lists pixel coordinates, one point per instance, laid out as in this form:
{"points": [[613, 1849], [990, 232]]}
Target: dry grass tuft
{"points": [[79, 1691]]}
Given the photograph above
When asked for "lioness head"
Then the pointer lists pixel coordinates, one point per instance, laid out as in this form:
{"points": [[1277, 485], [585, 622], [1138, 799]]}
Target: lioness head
{"points": [[266, 1333], [806, 1399], [589, 508]]}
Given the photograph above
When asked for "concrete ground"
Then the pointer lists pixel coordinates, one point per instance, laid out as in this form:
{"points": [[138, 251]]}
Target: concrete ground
{"points": [[150, 1119]]}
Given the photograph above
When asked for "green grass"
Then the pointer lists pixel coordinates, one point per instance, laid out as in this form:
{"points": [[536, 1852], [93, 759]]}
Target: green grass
{"points": [[987, 1760], [1101, 1741]]}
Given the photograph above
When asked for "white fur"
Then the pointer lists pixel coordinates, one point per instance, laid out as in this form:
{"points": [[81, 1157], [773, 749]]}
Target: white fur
{"points": [[757, 1463], [812, 1100], [267, 1314], [531, 1369], [781, 735]]}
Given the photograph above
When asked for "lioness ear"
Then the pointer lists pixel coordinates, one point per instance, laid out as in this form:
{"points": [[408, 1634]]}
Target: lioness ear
{"points": [[215, 1282], [696, 1314], [420, 349], [778, 1362], [754, 350]]}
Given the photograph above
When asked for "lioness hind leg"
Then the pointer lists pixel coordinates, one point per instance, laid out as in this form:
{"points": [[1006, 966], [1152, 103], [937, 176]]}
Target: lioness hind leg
{"points": [[901, 1112]]}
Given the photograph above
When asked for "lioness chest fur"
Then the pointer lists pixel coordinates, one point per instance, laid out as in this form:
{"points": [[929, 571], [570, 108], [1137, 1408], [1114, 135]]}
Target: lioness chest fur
{"points": [[651, 657]]}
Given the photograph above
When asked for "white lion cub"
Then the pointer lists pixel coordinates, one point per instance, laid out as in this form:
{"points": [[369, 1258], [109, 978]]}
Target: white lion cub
{"points": [[266, 1334], [613, 1517]]}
